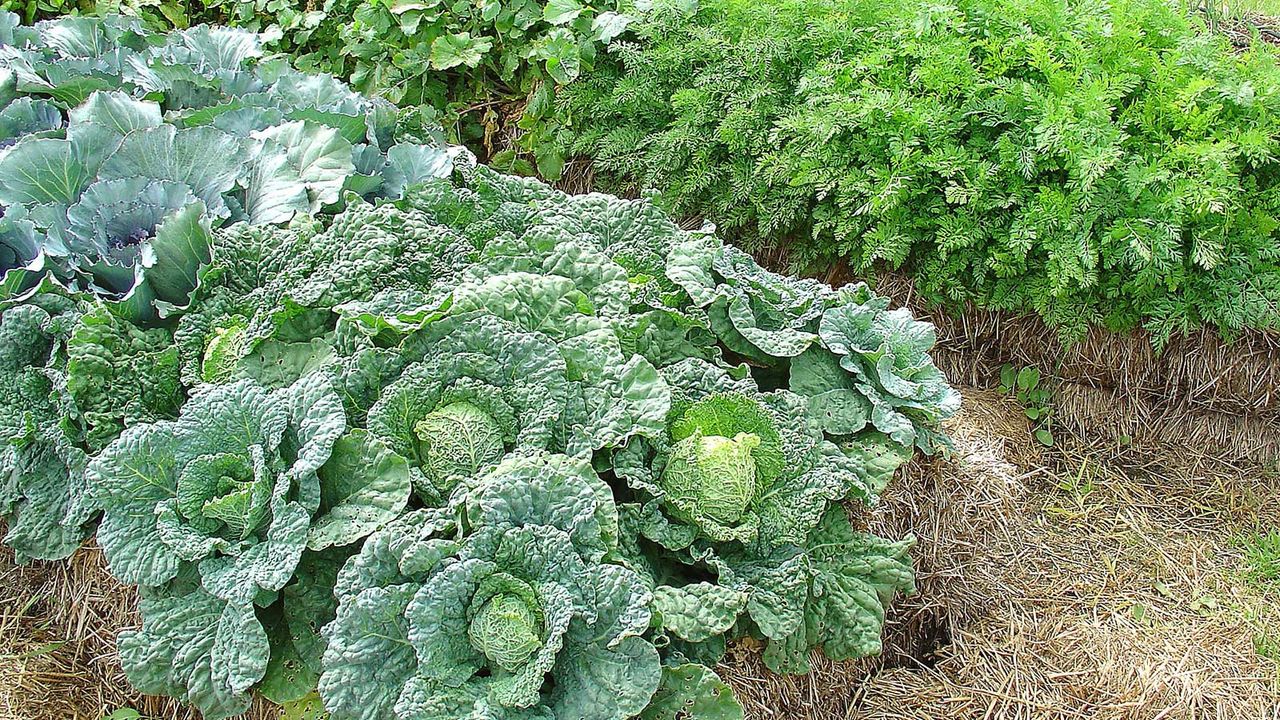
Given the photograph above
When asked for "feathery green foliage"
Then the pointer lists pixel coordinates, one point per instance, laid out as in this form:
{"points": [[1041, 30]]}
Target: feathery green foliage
{"points": [[1098, 163]]}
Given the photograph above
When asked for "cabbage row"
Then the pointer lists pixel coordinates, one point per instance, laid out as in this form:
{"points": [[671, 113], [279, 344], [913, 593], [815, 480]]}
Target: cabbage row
{"points": [[434, 442]]}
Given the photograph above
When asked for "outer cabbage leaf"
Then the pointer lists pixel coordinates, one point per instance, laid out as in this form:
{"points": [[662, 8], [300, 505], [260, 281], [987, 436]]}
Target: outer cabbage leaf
{"points": [[635, 234], [319, 155], [42, 497], [27, 116], [832, 596], [371, 248], [46, 171], [616, 397], [293, 627], [363, 486], [22, 256], [549, 304], [756, 313], [409, 165], [692, 691], [39, 499], [545, 250], [115, 112], [834, 397], [195, 646], [546, 489], [699, 611]]}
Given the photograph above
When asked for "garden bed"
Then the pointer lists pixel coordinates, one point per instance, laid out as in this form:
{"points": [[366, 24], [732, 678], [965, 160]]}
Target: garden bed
{"points": [[1125, 565], [1063, 583]]}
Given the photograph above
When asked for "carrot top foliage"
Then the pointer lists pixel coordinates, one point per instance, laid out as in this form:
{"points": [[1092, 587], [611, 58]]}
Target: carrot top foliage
{"points": [[1098, 163]]}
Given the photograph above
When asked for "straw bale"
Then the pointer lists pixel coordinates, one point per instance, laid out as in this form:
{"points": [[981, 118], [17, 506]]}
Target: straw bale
{"points": [[958, 509], [1114, 386], [1199, 368]]}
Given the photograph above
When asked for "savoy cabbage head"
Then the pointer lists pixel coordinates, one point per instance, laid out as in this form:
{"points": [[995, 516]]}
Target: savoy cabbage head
{"points": [[504, 608]]}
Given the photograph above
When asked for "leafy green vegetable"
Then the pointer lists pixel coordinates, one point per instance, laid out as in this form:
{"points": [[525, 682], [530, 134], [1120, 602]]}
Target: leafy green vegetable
{"points": [[42, 499], [831, 594], [22, 258], [509, 613], [120, 375], [456, 60], [196, 646], [692, 691], [486, 388], [236, 489], [165, 138]]}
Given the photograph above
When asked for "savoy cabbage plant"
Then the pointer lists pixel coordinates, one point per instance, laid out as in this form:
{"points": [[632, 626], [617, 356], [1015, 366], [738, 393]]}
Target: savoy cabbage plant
{"points": [[42, 498], [462, 446], [503, 607], [234, 492]]}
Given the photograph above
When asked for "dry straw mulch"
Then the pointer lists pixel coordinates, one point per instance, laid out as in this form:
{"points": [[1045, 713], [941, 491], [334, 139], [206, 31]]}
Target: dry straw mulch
{"points": [[58, 622], [1063, 585]]}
